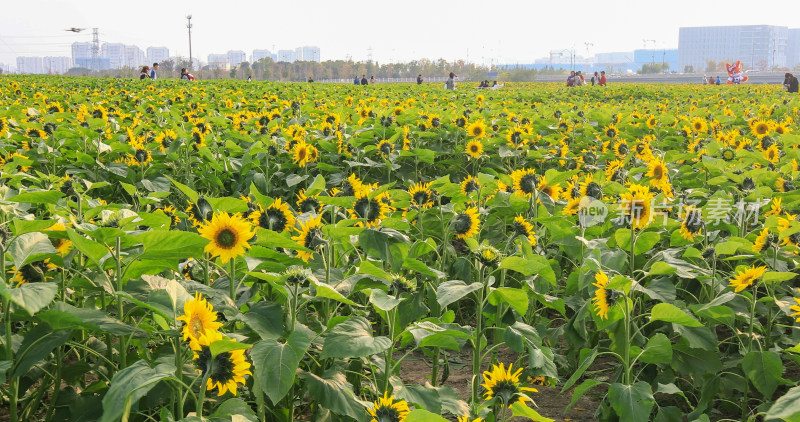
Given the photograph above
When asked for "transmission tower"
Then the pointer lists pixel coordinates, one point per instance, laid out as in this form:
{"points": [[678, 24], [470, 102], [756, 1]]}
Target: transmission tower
{"points": [[369, 54], [95, 48]]}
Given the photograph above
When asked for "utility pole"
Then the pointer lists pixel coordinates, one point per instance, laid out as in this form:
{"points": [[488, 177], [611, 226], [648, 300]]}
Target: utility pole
{"points": [[189, 25]]}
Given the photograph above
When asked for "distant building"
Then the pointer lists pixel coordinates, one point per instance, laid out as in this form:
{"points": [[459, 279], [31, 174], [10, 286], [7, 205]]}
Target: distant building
{"points": [[307, 54], [32, 65], [793, 49], [286, 56], [236, 57], [263, 54], [56, 65], [616, 61], [134, 57], [218, 61], [757, 46], [157, 54], [115, 53], [667, 57]]}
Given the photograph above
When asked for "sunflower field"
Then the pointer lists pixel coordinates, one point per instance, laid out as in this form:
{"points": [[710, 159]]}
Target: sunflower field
{"points": [[225, 250]]}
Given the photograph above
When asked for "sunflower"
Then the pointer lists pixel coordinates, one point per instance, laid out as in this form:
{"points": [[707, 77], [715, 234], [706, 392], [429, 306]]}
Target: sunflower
{"points": [[621, 148], [524, 182], [602, 295], [385, 409], [369, 211], [763, 241], [33, 133], [300, 153], [469, 185], [488, 255], [772, 154], [637, 204], [466, 418], [421, 195], [385, 148], [309, 235], [228, 235], [760, 128], [141, 155], [474, 149], [307, 203], [743, 279], [796, 308], [784, 185], [199, 212], [658, 172], [514, 138], [523, 228], [277, 217], [227, 368], [198, 316], [651, 122], [553, 191], [611, 131], [62, 245], [165, 139], [692, 225], [573, 206], [505, 385], [477, 129], [34, 272], [467, 223], [3, 126], [699, 125], [776, 207]]}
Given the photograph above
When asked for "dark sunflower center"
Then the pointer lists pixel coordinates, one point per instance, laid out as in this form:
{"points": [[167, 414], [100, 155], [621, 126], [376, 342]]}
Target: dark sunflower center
{"points": [[31, 274], [694, 223], [471, 186], [421, 197], [795, 238], [368, 209], [520, 229], [313, 238], [226, 238], [462, 224], [611, 133], [309, 204], [387, 414], [301, 154], [386, 148], [637, 209], [273, 219], [435, 122], [594, 190], [141, 155], [33, 133], [474, 148], [477, 130], [658, 172], [788, 186], [622, 148], [527, 183]]}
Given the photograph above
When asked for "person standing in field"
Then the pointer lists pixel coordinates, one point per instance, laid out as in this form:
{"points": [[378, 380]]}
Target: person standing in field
{"points": [[790, 83], [356, 81], [364, 80], [419, 79], [153, 75], [595, 78], [372, 80], [145, 73], [602, 78], [451, 82]]}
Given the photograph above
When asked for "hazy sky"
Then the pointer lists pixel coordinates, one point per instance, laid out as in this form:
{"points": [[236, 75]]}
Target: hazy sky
{"points": [[500, 30]]}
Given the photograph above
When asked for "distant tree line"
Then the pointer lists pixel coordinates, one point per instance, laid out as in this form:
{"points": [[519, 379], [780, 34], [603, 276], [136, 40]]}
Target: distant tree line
{"points": [[267, 69]]}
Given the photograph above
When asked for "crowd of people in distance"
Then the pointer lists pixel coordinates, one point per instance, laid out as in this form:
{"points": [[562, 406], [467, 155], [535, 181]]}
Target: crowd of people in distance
{"points": [[494, 85], [576, 78], [152, 73], [712, 80]]}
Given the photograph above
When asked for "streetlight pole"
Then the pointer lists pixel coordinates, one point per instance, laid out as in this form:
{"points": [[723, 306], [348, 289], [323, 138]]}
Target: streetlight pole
{"points": [[189, 25]]}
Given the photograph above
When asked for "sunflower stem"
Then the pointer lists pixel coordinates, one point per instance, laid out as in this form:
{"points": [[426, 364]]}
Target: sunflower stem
{"points": [[12, 383], [120, 308], [745, 408], [476, 352], [232, 281], [203, 383]]}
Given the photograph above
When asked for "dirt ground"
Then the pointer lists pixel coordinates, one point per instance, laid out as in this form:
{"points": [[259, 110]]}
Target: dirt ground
{"points": [[550, 402]]}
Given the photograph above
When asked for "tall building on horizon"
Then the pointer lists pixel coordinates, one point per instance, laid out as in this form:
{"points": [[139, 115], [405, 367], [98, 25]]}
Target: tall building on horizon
{"points": [[32, 65], [262, 54], [760, 47], [236, 57], [793, 49], [287, 56], [157, 54]]}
